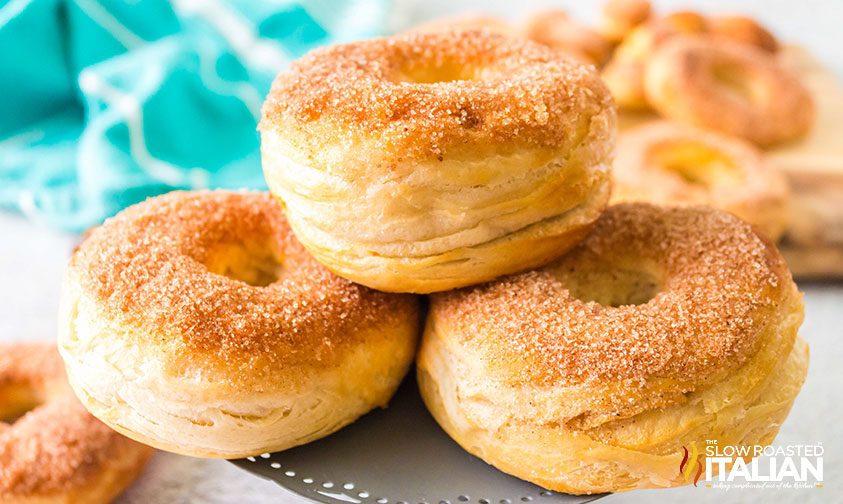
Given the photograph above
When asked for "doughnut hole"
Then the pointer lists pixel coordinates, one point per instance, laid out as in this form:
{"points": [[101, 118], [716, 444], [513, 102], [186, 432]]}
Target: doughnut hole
{"points": [[251, 262], [606, 281], [737, 81], [419, 72], [696, 162], [17, 400]]}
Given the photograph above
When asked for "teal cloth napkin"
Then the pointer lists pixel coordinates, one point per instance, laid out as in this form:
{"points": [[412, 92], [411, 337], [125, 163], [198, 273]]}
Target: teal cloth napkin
{"points": [[106, 102]]}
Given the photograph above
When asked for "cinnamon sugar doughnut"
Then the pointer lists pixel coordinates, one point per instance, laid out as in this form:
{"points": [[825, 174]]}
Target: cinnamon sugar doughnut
{"points": [[736, 89], [429, 161], [624, 73], [555, 29], [619, 17], [744, 30], [673, 164], [56, 451], [682, 22], [663, 328], [197, 323]]}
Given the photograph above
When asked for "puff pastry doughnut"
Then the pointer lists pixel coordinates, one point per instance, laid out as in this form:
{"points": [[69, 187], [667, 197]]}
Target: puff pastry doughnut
{"points": [[729, 87], [619, 17], [196, 323], [673, 164], [429, 161], [56, 452], [744, 30], [555, 29], [624, 73], [664, 327]]}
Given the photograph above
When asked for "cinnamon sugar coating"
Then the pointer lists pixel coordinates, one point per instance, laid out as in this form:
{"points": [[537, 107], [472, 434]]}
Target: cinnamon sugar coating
{"points": [[726, 86], [718, 285], [57, 447], [427, 95], [35, 365], [151, 269]]}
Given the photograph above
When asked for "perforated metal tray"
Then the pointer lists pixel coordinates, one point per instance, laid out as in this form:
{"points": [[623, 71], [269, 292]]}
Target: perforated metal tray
{"points": [[397, 455]]}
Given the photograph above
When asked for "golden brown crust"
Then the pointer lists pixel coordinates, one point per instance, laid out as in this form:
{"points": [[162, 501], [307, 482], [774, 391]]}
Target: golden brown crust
{"points": [[729, 87], [151, 268], [719, 283], [57, 448], [555, 29], [687, 22], [743, 29], [619, 17], [425, 95], [673, 164], [35, 365], [624, 72]]}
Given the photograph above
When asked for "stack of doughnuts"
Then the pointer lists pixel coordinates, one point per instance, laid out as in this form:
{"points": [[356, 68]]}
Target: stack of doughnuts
{"points": [[721, 73], [575, 346]]}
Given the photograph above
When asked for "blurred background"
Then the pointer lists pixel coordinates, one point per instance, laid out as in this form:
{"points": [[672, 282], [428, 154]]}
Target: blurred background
{"points": [[104, 103]]}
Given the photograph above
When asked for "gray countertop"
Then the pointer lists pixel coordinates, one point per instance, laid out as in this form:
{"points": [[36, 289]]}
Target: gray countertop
{"points": [[32, 260]]}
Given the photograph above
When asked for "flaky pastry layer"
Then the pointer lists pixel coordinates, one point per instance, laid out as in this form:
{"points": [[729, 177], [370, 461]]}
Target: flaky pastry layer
{"points": [[430, 161], [198, 324]]}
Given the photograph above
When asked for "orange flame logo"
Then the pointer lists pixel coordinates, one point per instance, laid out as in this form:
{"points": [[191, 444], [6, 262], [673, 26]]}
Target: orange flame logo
{"points": [[689, 462]]}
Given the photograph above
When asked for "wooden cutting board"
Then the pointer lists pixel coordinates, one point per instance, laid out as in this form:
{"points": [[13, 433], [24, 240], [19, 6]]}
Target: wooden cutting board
{"points": [[813, 246]]}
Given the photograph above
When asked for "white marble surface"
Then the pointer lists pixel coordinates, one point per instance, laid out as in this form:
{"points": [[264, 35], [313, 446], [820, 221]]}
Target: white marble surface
{"points": [[32, 260]]}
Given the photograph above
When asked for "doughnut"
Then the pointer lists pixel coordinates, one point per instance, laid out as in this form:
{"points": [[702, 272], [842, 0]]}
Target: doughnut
{"points": [[555, 29], [728, 87], [194, 322], [624, 73], [619, 17], [673, 164], [744, 30], [686, 22], [735, 28], [51, 449], [664, 328], [429, 161]]}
